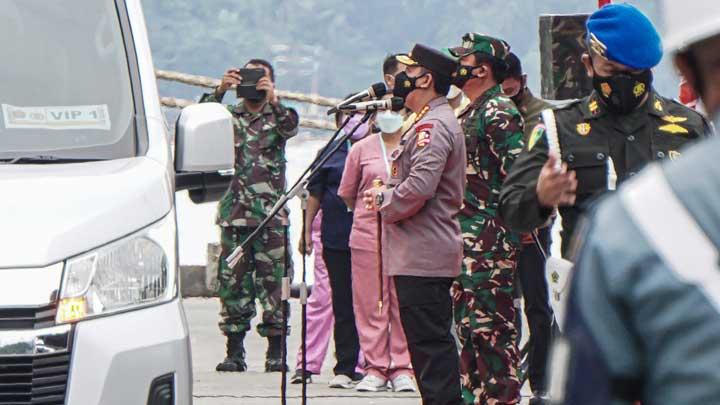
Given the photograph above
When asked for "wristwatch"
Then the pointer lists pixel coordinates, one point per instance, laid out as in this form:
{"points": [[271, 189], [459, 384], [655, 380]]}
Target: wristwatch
{"points": [[379, 198]]}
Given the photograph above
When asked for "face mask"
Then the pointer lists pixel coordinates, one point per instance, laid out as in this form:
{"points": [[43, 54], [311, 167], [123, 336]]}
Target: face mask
{"points": [[454, 92], [623, 92], [389, 122], [404, 85], [462, 75], [362, 130]]}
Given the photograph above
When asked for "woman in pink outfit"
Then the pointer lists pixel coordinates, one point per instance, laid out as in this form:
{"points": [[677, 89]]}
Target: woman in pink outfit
{"points": [[320, 318], [382, 339]]}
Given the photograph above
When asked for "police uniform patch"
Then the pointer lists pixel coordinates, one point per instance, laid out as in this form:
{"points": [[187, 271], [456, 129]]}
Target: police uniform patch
{"points": [[674, 155], [658, 106], [583, 129], [535, 136], [423, 139]]}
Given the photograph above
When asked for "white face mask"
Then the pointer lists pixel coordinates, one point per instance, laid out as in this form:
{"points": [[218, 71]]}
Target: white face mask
{"points": [[389, 121], [453, 92]]}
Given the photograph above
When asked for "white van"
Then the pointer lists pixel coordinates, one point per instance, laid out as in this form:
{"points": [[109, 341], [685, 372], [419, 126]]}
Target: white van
{"points": [[89, 306]]}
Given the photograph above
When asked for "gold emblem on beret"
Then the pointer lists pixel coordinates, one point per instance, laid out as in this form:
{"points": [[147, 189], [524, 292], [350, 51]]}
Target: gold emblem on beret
{"points": [[583, 129], [597, 46], [639, 89]]}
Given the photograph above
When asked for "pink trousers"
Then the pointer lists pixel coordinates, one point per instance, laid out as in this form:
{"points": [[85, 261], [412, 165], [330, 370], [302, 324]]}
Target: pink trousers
{"points": [[382, 339], [320, 319]]}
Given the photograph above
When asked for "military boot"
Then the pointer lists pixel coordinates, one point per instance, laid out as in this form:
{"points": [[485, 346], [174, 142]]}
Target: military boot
{"points": [[273, 357], [235, 360]]}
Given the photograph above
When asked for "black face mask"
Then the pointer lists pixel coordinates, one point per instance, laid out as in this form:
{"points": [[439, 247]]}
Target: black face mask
{"points": [[623, 92], [404, 85], [462, 75]]}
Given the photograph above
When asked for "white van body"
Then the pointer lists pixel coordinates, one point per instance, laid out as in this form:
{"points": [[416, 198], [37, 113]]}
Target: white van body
{"points": [[90, 311]]}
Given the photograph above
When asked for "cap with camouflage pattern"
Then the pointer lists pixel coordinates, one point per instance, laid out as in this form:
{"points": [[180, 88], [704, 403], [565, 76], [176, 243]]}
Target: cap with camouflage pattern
{"points": [[474, 42]]}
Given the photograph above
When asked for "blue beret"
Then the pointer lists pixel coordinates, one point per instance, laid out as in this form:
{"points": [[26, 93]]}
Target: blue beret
{"points": [[623, 34]]}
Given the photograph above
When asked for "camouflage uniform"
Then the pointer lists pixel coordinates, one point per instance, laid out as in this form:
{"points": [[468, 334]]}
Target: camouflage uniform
{"points": [[258, 183], [483, 293], [562, 43]]}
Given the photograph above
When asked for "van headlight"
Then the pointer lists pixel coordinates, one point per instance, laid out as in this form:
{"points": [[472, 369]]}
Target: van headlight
{"points": [[132, 273]]}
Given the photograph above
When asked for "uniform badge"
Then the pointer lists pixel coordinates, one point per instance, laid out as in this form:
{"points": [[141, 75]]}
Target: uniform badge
{"points": [[674, 155], [674, 129], [606, 89], [535, 136], [639, 89], [394, 171], [658, 106], [593, 107], [673, 119], [583, 129], [423, 139]]}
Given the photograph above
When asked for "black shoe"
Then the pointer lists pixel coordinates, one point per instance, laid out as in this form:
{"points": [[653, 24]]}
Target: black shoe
{"points": [[235, 360], [273, 357], [298, 377], [539, 398]]}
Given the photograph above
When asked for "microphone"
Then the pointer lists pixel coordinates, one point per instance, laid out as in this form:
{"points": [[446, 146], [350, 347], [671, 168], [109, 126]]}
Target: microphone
{"points": [[375, 91], [393, 104]]}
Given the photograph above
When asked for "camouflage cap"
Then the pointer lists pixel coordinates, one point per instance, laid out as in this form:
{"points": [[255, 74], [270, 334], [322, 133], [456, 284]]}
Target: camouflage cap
{"points": [[474, 42]]}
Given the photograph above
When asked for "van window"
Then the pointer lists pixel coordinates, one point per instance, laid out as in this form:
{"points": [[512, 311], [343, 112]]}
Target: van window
{"points": [[65, 88]]}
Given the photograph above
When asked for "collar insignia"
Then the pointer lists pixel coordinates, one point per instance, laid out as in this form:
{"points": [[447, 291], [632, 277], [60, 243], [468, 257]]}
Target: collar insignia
{"points": [[658, 106], [606, 89], [593, 107]]}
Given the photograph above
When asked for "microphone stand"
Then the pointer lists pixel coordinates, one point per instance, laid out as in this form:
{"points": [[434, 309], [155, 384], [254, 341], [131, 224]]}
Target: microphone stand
{"points": [[297, 190]]}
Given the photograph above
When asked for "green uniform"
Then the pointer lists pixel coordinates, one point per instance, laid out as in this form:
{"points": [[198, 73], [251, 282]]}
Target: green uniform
{"points": [[603, 148], [483, 293], [258, 182]]}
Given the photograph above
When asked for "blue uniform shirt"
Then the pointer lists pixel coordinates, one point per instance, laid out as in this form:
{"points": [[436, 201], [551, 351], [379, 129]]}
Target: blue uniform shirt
{"points": [[337, 219]]}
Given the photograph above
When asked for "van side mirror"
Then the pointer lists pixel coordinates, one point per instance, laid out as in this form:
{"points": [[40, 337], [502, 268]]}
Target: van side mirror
{"points": [[204, 151]]}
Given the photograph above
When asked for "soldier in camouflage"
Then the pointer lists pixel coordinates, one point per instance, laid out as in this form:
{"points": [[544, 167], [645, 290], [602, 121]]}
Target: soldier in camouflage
{"points": [[483, 293], [262, 127]]}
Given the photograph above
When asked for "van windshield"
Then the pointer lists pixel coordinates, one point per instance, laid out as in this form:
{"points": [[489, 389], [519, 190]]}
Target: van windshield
{"points": [[65, 89]]}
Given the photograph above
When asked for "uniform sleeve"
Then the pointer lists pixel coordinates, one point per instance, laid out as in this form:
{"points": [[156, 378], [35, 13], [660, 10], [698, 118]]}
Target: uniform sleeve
{"points": [[427, 163], [287, 120], [350, 181], [519, 205], [504, 128]]}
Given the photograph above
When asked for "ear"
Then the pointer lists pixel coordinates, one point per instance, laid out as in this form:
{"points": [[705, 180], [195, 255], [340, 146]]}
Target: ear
{"points": [[428, 81], [389, 81], [587, 61], [484, 70]]}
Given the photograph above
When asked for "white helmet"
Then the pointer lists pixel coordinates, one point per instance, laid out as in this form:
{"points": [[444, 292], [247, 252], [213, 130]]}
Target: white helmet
{"points": [[689, 21]]}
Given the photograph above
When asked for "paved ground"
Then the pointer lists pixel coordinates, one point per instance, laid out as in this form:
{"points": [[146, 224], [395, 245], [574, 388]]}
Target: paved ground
{"points": [[256, 387]]}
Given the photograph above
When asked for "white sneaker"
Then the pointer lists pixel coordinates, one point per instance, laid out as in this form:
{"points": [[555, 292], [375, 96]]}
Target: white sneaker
{"points": [[342, 381], [404, 383], [372, 383]]}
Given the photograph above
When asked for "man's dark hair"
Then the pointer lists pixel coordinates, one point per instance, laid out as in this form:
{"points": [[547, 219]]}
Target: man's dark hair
{"points": [[390, 65], [514, 66], [263, 62], [498, 66]]}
